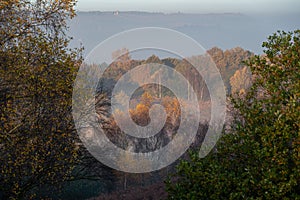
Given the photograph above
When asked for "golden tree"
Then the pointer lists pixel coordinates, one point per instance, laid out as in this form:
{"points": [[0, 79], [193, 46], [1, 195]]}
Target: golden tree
{"points": [[241, 80]]}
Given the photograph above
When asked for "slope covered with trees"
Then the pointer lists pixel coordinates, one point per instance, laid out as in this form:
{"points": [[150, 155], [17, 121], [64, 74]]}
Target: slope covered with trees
{"points": [[40, 149]]}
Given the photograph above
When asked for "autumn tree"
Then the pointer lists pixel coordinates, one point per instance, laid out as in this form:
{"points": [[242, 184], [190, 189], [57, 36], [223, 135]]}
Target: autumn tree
{"points": [[259, 157], [241, 80], [122, 62], [37, 142], [121, 55], [140, 114], [228, 62]]}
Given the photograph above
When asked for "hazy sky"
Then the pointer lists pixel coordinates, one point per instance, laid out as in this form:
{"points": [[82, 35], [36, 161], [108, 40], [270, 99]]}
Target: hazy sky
{"points": [[192, 6]]}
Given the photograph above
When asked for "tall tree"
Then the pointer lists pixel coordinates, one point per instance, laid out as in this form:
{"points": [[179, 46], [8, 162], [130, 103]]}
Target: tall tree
{"points": [[37, 143]]}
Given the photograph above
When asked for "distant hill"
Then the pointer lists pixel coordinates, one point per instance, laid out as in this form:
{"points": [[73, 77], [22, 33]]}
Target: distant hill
{"points": [[225, 30]]}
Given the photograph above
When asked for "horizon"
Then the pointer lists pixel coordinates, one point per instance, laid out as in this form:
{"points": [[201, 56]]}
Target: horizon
{"points": [[161, 12], [193, 6], [293, 14]]}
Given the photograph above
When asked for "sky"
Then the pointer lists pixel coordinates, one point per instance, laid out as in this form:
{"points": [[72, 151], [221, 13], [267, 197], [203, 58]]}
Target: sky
{"points": [[193, 6]]}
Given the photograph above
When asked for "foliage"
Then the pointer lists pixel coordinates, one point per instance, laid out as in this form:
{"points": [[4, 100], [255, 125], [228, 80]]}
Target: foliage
{"points": [[228, 62], [37, 143], [259, 157], [240, 81]]}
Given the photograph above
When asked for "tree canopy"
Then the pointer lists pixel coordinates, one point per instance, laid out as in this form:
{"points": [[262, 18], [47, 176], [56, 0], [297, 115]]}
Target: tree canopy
{"points": [[258, 158]]}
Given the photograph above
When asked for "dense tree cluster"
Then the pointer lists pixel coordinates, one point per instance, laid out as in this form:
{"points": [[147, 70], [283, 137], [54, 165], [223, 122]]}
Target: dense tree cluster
{"points": [[259, 157], [229, 62]]}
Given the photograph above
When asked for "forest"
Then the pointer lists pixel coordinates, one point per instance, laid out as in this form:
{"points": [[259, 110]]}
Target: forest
{"points": [[42, 156]]}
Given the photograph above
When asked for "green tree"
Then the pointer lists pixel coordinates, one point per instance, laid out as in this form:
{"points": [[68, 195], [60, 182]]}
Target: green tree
{"points": [[260, 156], [37, 138]]}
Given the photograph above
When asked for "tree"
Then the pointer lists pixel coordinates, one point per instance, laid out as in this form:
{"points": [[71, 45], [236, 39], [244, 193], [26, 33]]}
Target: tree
{"points": [[147, 99], [229, 61], [121, 55], [240, 81], [260, 156], [37, 137], [140, 114], [121, 63]]}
